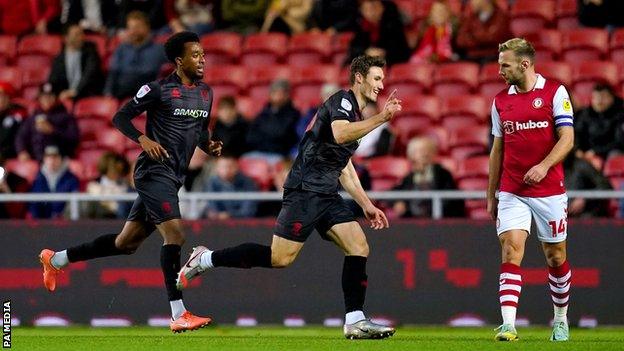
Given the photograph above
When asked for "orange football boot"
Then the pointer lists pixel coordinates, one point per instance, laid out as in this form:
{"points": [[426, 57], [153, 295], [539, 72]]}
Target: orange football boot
{"points": [[49, 271], [188, 321]]}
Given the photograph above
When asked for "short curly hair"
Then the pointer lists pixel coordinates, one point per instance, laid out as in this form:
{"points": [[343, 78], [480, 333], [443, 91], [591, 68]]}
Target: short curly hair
{"points": [[174, 47], [362, 65]]}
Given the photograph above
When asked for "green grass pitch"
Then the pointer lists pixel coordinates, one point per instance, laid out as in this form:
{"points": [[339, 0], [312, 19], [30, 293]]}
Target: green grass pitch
{"points": [[228, 338]]}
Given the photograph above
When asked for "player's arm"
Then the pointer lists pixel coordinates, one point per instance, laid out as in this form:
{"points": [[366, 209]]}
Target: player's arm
{"points": [[147, 96], [496, 163], [209, 147], [351, 183], [346, 132]]}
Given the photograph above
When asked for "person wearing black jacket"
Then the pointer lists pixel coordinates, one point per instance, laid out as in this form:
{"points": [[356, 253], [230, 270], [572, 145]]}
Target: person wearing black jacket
{"points": [[76, 72], [581, 175]]}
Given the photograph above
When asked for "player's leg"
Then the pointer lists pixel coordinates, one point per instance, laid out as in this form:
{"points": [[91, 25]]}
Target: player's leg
{"points": [[513, 225], [551, 220], [134, 232]]}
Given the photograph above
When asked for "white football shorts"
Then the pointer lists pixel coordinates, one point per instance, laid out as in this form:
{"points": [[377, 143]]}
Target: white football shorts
{"points": [[550, 213]]}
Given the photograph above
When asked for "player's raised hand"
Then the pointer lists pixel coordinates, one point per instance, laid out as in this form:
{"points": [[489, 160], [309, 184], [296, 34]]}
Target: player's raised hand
{"points": [[153, 149], [215, 147], [392, 106], [535, 174], [376, 217]]}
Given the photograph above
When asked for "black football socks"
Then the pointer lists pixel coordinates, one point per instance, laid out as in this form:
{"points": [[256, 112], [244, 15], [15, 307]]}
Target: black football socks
{"points": [[354, 282], [170, 265], [243, 256], [102, 246]]}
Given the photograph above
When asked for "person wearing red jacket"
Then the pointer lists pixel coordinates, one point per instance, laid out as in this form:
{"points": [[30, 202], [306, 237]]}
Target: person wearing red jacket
{"points": [[25, 16]]}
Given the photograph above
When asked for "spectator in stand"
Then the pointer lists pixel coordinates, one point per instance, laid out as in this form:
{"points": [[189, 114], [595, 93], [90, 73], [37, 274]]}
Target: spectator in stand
{"points": [[378, 141], [231, 128], [481, 29], [272, 134], [599, 128], [23, 17], [228, 178], [192, 15], [327, 90], [273, 208], [581, 175], [334, 16], [76, 71], [12, 183], [436, 35], [426, 175], [53, 177], [243, 16], [153, 10], [135, 62], [51, 124], [287, 16], [11, 117], [379, 32], [113, 180], [91, 15], [601, 13]]}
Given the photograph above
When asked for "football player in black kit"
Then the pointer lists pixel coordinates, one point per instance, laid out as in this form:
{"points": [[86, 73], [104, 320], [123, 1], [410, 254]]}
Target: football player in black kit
{"points": [[311, 200], [178, 118]]}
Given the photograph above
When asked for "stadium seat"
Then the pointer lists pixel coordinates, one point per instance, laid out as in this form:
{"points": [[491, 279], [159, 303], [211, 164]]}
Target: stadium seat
{"points": [[531, 16], [132, 154], [40, 44], [221, 47], [586, 74], [260, 77], [616, 45], [250, 107], [490, 81], [547, 44], [90, 159], [475, 208], [557, 70], [409, 78], [566, 14], [614, 166], [340, 47], [258, 169], [96, 107], [78, 169], [264, 49], [405, 128], [472, 106], [12, 75], [34, 77], [25, 169], [8, 48], [468, 142], [419, 106], [441, 136], [308, 48], [584, 44], [473, 167], [89, 128], [387, 171], [33, 61], [232, 78], [307, 81], [112, 139], [452, 79]]}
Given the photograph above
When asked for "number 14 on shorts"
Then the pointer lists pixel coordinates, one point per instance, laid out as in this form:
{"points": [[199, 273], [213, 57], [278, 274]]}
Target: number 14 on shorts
{"points": [[558, 227]]}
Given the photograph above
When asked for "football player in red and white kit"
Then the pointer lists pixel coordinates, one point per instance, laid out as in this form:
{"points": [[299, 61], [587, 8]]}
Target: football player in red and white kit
{"points": [[532, 124]]}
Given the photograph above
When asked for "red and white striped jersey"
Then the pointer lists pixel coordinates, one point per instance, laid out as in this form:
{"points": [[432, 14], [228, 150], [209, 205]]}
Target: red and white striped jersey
{"points": [[527, 124]]}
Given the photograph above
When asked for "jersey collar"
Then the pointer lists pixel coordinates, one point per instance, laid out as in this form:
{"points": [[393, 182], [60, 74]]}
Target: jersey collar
{"points": [[539, 84]]}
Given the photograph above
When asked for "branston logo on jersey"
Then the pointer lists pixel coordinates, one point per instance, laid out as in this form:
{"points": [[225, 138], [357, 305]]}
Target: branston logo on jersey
{"points": [[190, 112], [510, 127]]}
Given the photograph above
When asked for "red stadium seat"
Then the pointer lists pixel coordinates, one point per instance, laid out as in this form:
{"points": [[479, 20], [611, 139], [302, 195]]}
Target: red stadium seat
{"points": [[40, 44], [8, 47], [614, 167], [33, 61], [89, 128], [258, 169], [455, 78], [90, 159], [260, 77], [472, 106], [557, 70], [490, 81], [405, 128], [232, 78], [12, 75], [340, 47], [409, 78], [309, 48], [531, 16], [34, 77], [473, 167], [475, 208], [96, 107], [307, 81], [468, 142], [584, 44], [221, 47], [616, 45], [25, 169], [419, 106], [547, 44], [132, 154], [264, 48], [250, 107], [387, 171], [566, 13], [586, 74], [112, 139], [78, 169]]}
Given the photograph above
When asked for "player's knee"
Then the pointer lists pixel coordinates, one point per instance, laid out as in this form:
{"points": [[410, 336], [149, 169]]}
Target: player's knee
{"points": [[359, 249], [125, 246], [555, 258], [282, 260]]}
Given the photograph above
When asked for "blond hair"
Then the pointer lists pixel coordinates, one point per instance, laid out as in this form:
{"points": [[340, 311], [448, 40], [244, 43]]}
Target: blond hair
{"points": [[521, 47]]}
